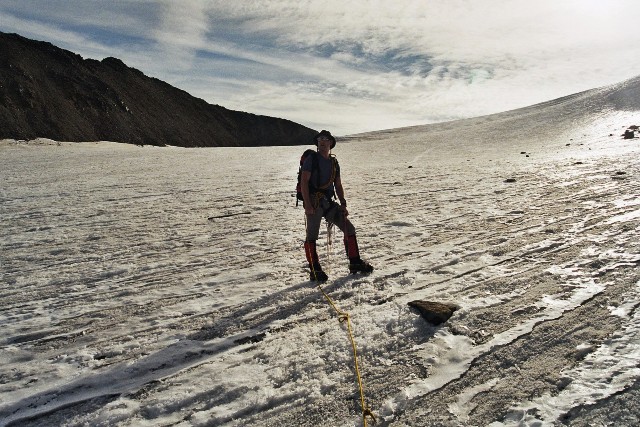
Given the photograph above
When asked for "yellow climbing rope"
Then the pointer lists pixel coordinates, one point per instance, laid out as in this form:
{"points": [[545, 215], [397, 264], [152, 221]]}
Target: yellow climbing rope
{"points": [[343, 316]]}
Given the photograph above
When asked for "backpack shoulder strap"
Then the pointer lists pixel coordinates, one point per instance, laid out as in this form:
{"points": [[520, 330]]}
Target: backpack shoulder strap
{"points": [[334, 170]]}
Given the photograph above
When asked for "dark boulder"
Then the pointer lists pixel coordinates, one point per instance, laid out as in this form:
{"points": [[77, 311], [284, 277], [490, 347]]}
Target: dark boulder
{"points": [[435, 313]]}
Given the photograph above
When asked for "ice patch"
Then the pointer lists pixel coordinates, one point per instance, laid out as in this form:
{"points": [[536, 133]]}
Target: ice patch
{"points": [[625, 217], [451, 355], [612, 367]]}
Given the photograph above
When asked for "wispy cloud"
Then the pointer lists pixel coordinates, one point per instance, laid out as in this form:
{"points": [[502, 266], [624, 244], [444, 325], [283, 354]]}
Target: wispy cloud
{"points": [[353, 66], [181, 31]]}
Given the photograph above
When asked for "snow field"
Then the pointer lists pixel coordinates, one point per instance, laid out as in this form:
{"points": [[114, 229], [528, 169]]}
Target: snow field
{"points": [[146, 286]]}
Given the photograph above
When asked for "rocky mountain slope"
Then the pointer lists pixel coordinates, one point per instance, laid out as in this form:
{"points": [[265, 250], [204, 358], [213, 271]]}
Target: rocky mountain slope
{"points": [[49, 92]]}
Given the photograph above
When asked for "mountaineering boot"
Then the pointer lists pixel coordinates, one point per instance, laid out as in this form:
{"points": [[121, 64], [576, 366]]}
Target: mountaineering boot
{"points": [[357, 265], [316, 274]]}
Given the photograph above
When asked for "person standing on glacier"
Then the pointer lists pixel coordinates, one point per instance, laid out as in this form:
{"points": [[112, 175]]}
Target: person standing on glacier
{"points": [[320, 182]]}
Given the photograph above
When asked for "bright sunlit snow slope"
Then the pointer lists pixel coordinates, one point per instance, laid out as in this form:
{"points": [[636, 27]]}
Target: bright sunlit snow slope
{"points": [[148, 286]]}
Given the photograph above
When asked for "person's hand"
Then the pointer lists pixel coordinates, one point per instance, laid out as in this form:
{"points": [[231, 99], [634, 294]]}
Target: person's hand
{"points": [[343, 206]]}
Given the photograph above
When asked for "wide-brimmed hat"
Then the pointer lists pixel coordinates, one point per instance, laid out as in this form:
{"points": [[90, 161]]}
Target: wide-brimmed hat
{"points": [[325, 134]]}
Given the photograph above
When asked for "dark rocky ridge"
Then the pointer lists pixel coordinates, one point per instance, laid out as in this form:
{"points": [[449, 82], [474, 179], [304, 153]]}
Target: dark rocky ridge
{"points": [[50, 92]]}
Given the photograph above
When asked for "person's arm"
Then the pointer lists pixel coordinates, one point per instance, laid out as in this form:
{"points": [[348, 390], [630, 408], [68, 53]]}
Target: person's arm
{"points": [[304, 189], [340, 194]]}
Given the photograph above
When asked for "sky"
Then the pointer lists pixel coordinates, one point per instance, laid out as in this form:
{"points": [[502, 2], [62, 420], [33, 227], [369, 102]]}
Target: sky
{"points": [[355, 66]]}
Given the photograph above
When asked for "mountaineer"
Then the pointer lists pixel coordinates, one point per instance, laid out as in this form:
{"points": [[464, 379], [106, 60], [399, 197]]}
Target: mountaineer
{"points": [[319, 183]]}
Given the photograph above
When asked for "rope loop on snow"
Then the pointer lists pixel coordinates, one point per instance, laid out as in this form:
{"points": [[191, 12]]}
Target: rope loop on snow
{"points": [[343, 317], [329, 239]]}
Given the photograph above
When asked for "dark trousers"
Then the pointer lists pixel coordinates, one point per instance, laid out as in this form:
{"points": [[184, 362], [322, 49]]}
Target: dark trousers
{"points": [[333, 213]]}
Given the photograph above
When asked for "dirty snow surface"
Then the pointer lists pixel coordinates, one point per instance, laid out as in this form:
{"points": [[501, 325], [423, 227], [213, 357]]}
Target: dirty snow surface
{"points": [[167, 287]]}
